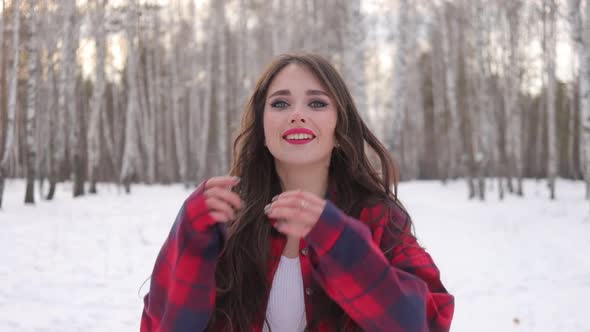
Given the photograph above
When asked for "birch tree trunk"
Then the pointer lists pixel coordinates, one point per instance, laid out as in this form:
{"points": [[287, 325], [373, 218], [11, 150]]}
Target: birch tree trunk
{"points": [[205, 111], [413, 143], [308, 20], [45, 122], [372, 65], [580, 34], [575, 20], [75, 113], [43, 111], [396, 119], [280, 39], [177, 117], [114, 130], [472, 97], [483, 132], [3, 75], [97, 101], [168, 163], [155, 125], [573, 125], [130, 151], [221, 84], [31, 106], [354, 56], [50, 134], [241, 55], [142, 102], [2, 19], [143, 110], [194, 124], [3, 86], [470, 132], [512, 90], [583, 48], [549, 7], [153, 91], [434, 126], [108, 136], [9, 138], [195, 94], [67, 10], [449, 31]]}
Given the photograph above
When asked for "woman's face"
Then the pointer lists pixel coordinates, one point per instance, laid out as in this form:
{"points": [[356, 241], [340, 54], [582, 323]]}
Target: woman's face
{"points": [[299, 118]]}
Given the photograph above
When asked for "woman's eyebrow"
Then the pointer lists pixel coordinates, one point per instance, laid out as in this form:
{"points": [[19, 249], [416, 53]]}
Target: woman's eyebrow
{"points": [[288, 93], [316, 92], [280, 93]]}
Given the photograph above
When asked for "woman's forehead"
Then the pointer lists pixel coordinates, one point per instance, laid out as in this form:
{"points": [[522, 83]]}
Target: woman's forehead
{"points": [[296, 77]]}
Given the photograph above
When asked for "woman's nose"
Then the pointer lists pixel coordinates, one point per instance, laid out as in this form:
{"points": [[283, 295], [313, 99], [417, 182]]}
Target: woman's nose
{"points": [[297, 116], [294, 120]]}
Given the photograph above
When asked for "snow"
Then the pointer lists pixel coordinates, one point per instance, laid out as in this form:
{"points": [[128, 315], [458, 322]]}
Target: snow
{"points": [[80, 264]]}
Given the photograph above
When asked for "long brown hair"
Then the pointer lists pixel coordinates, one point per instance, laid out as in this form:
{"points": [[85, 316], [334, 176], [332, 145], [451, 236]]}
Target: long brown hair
{"points": [[241, 273]]}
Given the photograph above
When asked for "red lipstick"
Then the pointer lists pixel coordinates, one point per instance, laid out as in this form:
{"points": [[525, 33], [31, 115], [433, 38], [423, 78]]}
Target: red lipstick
{"points": [[298, 135]]}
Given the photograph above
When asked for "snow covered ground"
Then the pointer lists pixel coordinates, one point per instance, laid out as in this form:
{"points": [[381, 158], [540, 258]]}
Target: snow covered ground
{"points": [[513, 265]]}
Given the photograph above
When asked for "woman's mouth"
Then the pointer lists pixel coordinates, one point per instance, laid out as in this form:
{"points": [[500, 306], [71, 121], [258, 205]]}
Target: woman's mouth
{"points": [[298, 136]]}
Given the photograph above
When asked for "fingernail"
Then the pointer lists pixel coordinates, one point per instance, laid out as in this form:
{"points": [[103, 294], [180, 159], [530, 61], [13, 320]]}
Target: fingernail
{"points": [[267, 208], [236, 178], [274, 198]]}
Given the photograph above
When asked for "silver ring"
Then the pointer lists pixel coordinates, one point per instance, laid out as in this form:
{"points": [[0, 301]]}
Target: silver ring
{"points": [[303, 204]]}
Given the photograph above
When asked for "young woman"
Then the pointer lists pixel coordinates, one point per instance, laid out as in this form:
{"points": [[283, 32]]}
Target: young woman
{"points": [[306, 235]]}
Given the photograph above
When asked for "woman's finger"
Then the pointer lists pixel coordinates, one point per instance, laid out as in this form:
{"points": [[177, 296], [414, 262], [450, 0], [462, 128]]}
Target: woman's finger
{"points": [[222, 181], [226, 195], [219, 216], [307, 196], [292, 215], [218, 205], [297, 202]]}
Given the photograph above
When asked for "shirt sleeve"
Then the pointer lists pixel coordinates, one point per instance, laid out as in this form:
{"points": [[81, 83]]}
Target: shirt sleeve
{"points": [[403, 293], [182, 284]]}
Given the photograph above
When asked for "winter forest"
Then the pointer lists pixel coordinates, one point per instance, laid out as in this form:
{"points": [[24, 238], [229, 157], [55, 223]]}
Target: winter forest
{"points": [[151, 91], [111, 112]]}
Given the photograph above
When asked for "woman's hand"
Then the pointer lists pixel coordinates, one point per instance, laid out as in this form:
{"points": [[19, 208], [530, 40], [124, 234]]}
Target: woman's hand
{"points": [[220, 200], [296, 212]]}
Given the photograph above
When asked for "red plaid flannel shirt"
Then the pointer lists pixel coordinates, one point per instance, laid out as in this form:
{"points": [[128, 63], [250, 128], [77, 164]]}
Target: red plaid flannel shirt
{"points": [[342, 255]]}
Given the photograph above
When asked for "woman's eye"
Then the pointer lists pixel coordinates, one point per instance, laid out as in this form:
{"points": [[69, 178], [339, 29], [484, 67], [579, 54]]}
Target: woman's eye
{"points": [[279, 104], [317, 104]]}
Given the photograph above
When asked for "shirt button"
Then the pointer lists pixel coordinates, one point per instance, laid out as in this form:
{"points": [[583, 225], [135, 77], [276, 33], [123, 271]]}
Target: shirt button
{"points": [[304, 251], [308, 291]]}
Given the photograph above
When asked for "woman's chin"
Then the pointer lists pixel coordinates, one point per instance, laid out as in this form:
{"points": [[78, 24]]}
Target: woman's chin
{"points": [[301, 161]]}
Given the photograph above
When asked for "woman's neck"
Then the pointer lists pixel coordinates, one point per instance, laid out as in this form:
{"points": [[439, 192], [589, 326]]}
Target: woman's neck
{"points": [[313, 179]]}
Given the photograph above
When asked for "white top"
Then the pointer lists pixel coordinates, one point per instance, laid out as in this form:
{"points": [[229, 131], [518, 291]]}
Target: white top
{"points": [[286, 304]]}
